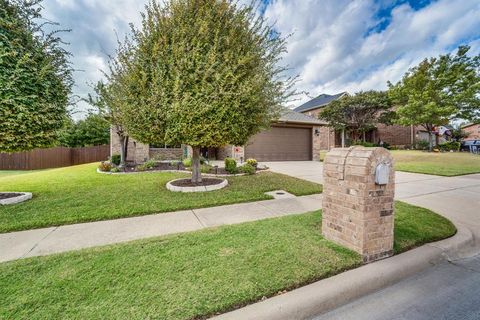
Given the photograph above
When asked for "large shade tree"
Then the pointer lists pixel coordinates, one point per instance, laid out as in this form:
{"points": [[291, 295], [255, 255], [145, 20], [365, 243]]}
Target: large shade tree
{"points": [[35, 78], [204, 73], [439, 90], [357, 114]]}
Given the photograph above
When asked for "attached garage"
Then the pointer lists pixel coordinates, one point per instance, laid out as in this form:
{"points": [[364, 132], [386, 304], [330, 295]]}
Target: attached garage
{"points": [[281, 143]]}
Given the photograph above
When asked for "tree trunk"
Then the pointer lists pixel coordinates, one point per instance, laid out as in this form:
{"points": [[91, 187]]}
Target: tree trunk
{"points": [[123, 150], [430, 141], [343, 138], [196, 172]]}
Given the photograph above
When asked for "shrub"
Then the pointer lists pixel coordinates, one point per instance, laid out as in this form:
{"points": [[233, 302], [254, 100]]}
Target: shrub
{"points": [[252, 162], [230, 165], [105, 166], [364, 143], [248, 169], [385, 145], [115, 159], [449, 146], [150, 164], [115, 170], [205, 168], [422, 145], [141, 167], [187, 162]]}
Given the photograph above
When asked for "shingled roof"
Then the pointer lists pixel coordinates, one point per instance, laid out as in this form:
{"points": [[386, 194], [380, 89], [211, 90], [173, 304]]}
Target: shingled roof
{"points": [[320, 101], [291, 116]]}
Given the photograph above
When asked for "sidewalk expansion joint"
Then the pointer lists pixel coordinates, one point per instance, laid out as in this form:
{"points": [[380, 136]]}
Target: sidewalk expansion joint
{"points": [[36, 244], [198, 219]]}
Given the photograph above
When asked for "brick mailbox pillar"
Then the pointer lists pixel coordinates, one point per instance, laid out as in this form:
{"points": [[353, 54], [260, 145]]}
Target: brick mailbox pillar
{"points": [[358, 206]]}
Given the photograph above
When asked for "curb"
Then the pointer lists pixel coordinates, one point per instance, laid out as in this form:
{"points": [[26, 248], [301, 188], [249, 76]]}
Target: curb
{"points": [[330, 293]]}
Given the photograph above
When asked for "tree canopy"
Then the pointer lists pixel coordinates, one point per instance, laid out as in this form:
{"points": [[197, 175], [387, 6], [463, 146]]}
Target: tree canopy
{"points": [[35, 78], [358, 113], [439, 90], [204, 73], [94, 130]]}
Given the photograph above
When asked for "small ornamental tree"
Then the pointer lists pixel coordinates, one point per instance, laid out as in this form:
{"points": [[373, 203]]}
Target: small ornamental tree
{"points": [[35, 78], [358, 113], [108, 98], [203, 73], [439, 90]]}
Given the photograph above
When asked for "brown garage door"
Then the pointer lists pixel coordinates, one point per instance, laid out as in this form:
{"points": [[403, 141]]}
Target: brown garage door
{"points": [[281, 144]]}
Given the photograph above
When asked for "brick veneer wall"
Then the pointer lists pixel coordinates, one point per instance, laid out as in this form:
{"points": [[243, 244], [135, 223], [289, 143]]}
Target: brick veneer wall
{"points": [[166, 153], [136, 151], [358, 213], [473, 132], [394, 135]]}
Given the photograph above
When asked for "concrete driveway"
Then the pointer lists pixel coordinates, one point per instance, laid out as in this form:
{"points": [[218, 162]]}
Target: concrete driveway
{"points": [[457, 198]]}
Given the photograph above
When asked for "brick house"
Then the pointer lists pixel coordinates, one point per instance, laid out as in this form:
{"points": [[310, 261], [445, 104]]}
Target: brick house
{"points": [[393, 135], [294, 136], [297, 135], [473, 131]]}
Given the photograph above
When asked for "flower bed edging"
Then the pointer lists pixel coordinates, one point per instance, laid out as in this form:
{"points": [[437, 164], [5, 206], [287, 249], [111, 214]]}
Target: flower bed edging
{"points": [[24, 196], [173, 188]]}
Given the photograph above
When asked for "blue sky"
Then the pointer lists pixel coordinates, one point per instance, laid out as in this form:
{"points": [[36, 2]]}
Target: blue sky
{"points": [[336, 45]]}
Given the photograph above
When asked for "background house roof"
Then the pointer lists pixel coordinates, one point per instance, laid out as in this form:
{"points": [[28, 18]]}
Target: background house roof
{"points": [[469, 125], [319, 101], [291, 116]]}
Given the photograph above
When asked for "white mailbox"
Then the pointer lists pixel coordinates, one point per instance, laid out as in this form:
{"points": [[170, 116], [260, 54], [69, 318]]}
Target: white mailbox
{"points": [[382, 173]]}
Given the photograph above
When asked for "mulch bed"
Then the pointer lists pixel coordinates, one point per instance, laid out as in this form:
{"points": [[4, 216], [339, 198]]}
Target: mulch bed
{"points": [[189, 183], [9, 195]]}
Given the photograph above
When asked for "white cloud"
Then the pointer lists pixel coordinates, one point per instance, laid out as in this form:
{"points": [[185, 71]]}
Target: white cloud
{"points": [[333, 47]]}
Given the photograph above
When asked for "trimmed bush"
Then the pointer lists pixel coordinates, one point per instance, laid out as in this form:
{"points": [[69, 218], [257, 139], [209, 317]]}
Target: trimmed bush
{"points": [[252, 162], [115, 170], [206, 168], [422, 145], [105, 166], [150, 164], [248, 169], [449, 146], [115, 159], [364, 144], [230, 165], [187, 162]]}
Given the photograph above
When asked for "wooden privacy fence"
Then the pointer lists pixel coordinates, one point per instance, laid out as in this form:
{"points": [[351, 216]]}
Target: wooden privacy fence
{"points": [[53, 157]]}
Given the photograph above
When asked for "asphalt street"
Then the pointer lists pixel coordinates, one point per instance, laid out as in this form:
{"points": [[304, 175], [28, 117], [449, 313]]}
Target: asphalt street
{"points": [[450, 290]]}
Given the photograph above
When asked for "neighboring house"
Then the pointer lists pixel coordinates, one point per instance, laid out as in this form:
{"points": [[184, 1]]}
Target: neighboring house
{"points": [[393, 135], [473, 131], [294, 136]]}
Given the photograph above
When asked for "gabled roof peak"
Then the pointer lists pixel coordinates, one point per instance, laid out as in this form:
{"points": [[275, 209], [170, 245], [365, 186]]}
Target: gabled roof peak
{"points": [[319, 101]]}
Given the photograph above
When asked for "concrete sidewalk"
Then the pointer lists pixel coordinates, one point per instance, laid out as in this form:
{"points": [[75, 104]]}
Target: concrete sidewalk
{"points": [[29, 243]]}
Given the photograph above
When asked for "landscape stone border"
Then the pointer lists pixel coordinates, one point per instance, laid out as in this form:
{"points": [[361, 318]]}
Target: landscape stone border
{"points": [[173, 188], [24, 196]]}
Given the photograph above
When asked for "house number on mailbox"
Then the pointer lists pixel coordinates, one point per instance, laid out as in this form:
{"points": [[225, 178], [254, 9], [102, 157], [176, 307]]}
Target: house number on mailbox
{"points": [[382, 173]]}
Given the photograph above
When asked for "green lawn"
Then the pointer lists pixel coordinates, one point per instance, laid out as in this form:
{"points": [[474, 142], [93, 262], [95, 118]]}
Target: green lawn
{"points": [[442, 164], [80, 194], [191, 275], [5, 173]]}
